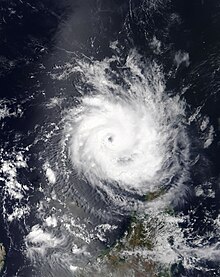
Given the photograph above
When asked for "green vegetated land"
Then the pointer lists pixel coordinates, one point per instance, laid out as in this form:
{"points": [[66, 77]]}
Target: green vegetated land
{"points": [[128, 253], [131, 255], [2, 256]]}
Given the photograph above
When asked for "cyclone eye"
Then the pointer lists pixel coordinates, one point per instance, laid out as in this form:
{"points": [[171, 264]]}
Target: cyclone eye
{"points": [[110, 139]]}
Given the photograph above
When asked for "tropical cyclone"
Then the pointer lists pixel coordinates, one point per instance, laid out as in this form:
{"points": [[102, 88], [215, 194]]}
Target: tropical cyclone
{"points": [[117, 141], [126, 133]]}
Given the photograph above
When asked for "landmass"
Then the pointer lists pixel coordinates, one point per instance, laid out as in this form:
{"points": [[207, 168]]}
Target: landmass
{"points": [[2, 256]]}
